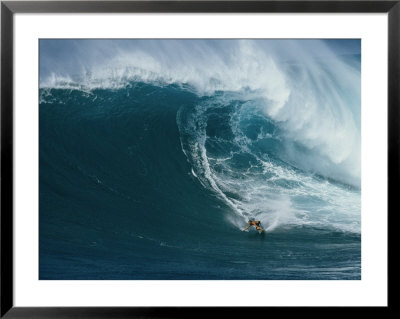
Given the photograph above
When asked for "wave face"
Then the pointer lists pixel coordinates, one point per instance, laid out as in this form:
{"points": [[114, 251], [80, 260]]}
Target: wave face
{"points": [[154, 155]]}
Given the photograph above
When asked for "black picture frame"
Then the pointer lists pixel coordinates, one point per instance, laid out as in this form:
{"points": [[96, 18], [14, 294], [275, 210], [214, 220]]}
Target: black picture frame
{"points": [[9, 8]]}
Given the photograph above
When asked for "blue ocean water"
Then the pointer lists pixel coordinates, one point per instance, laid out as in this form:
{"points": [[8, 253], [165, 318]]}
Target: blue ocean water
{"points": [[152, 173]]}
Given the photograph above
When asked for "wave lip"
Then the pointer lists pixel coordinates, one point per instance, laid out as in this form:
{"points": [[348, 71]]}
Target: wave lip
{"points": [[313, 92]]}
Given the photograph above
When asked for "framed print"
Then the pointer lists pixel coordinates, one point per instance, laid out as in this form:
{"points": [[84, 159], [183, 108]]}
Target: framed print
{"points": [[165, 157]]}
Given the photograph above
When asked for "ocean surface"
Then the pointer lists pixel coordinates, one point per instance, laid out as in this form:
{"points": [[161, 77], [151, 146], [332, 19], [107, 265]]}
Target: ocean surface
{"points": [[151, 171]]}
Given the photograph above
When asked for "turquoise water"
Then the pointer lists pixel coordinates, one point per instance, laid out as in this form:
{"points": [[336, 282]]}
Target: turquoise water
{"points": [[154, 178]]}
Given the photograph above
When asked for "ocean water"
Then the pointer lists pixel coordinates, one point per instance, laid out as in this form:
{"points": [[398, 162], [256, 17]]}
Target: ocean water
{"points": [[151, 162]]}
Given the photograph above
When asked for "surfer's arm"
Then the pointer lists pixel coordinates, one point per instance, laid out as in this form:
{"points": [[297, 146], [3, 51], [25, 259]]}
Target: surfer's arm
{"points": [[246, 228]]}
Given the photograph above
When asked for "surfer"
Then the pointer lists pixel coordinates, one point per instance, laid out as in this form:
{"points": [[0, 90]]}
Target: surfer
{"points": [[255, 223]]}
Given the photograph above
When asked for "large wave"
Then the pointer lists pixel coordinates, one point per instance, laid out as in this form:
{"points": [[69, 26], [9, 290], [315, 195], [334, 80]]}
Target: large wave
{"points": [[276, 130]]}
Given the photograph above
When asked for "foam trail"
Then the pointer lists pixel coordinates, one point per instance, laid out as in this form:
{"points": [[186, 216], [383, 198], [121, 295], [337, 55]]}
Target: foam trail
{"points": [[252, 183]]}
